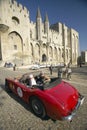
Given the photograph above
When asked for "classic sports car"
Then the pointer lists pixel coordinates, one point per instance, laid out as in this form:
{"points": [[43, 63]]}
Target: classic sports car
{"points": [[58, 99]]}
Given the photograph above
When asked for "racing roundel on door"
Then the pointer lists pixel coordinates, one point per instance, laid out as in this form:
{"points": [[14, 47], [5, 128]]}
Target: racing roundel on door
{"points": [[19, 91]]}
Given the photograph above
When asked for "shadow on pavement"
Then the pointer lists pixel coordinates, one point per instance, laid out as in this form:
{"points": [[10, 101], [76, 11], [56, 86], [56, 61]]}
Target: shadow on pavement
{"points": [[18, 100]]}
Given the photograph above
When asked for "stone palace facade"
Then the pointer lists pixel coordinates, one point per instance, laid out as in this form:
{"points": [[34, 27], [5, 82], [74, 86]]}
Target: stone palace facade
{"points": [[25, 42]]}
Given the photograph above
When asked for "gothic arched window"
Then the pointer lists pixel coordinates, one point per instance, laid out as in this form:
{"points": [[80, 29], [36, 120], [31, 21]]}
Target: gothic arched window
{"points": [[15, 20]]}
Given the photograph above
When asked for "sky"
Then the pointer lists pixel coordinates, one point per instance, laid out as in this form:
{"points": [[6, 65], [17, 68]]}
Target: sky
{"points": [[72, 13]]}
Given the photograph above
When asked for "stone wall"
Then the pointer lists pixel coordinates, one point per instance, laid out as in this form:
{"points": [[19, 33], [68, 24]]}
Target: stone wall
{"points": [[19, 43]]}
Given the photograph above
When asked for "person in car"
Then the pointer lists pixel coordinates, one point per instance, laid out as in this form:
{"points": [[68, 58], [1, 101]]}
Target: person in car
{"points": [[42, 78], [32, 80]]}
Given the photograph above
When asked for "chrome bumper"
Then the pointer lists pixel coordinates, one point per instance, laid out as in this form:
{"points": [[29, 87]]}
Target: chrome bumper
{"points": [[80, 102]]}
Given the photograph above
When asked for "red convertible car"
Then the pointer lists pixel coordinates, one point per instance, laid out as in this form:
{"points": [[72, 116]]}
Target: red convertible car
{"points": [[58, 99]]}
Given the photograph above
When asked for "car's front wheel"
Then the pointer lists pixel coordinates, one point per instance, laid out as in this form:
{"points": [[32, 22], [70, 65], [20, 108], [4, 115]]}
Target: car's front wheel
{"points": [[37, 107]]}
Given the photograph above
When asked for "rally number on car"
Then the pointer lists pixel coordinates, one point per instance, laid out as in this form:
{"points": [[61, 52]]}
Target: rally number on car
{"points": [[19, 91]]}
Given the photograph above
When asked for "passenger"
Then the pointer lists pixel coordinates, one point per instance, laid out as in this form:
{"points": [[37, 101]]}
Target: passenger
{"points": [[16, 80], [32, 80]]}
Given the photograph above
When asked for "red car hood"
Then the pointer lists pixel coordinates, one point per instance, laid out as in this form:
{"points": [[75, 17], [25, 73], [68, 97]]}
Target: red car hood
{"points": [[65, 94]]}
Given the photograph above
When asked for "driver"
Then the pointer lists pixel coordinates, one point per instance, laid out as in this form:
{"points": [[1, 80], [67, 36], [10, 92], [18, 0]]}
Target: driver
{"points": [[42, 78]]}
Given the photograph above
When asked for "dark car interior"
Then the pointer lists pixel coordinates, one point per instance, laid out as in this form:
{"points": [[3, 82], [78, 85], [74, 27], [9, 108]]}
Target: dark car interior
{"points": [[40, 84], [54, 81]]}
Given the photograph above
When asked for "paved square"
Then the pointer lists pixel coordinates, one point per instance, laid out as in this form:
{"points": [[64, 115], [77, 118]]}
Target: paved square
{"points": [[16, 115]]}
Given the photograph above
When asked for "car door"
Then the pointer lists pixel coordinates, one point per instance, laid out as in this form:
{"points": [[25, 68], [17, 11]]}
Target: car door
{"points": [[22, 91]]}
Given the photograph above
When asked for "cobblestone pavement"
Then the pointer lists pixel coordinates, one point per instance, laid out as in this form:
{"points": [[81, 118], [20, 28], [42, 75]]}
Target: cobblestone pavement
{"points": [[16, 115]]}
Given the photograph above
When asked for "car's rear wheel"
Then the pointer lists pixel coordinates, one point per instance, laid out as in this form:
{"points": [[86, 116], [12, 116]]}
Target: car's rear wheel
{"points": [[37, 107]]}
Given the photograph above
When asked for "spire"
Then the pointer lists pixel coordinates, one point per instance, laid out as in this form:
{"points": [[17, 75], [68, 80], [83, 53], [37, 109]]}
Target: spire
{"points": [[46, 24], [38, 13], [38, 24], [46, 18]]}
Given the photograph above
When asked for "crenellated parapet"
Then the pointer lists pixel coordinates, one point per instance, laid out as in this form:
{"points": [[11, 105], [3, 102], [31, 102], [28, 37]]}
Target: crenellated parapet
{"points": [[19, 7]]}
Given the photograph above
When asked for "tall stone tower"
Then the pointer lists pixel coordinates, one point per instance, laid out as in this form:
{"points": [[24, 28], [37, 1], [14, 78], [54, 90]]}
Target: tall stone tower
{"points": [[3, 23], [38, 24], [3, 13]]}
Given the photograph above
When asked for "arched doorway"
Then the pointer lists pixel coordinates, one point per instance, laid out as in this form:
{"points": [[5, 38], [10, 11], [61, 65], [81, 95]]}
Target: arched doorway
{"points": [[44, 58], [15, 47], [15, 43]]}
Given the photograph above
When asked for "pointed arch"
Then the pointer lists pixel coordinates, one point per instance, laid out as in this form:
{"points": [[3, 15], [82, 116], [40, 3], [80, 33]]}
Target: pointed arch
{"points": [[37, 53], [50, 53], [15, 44], [59, 54], [31, 50], [67, 54], [44, 58], [44, 48], [15, 20], [55, 53]]}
